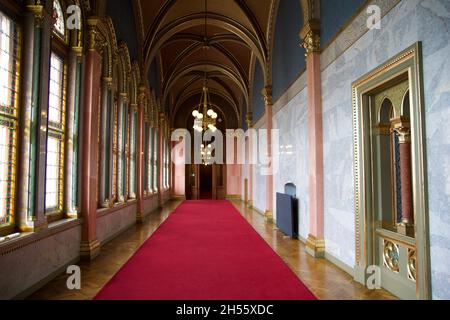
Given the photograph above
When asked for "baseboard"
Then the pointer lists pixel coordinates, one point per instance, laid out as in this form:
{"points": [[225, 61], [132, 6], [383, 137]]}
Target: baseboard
{"points": [[341, 265], [42, 283], [117, 233], [233, 197], [302, 240], [259, 211], [178, 198]]}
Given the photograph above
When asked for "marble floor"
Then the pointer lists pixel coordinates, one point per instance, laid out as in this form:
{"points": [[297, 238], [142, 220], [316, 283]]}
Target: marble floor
{"points": [[324, 279]]}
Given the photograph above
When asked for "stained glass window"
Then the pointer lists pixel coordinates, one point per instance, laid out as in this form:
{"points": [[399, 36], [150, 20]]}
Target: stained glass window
{"points": [[53, 167], [133, 155], [55, 148], [155, 160], [149, 160], [58, 18], [9, 80], [121, 152], [56, 91]]}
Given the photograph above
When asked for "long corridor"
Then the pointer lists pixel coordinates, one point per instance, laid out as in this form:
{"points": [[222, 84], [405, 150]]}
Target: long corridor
{"points": [[322, 278]]}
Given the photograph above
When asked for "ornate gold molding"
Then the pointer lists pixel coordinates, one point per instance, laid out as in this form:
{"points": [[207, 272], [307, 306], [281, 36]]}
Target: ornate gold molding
{"points": [[95, 41], [38, 12], [407, 62], [249, 119], [315, 246], [310, 37], [267, 95], [404, 134], [311, 43]]}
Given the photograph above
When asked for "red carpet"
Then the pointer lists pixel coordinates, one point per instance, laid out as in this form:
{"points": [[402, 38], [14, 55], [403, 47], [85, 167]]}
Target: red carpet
{"points": [[205, 251]]}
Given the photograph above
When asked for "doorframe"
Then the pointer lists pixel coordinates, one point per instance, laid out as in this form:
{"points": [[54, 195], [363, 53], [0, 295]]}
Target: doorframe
{"points": [[410, 61]]}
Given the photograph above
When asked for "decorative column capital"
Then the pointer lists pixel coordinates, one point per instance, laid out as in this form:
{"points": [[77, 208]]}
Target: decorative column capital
{"points": [[142, 94], [108, 82], [310, 37], [249, 119], [404, 134], [162, 120], [124, 97], [267, 95], [94, 39], [78, 51], [38, 12]]}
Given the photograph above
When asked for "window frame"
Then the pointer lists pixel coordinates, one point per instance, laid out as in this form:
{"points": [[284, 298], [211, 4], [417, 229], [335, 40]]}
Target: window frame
{"points": [[155, 149], [59, 48], [8, 10]]}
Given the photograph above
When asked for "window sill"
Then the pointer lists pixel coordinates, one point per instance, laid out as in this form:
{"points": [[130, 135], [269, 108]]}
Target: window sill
{"points": [[27, 238], [115, 208]]}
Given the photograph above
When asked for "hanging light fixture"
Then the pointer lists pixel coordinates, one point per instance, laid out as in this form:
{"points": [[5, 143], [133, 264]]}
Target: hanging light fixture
{"points": [[206, 153], [204, 116]]}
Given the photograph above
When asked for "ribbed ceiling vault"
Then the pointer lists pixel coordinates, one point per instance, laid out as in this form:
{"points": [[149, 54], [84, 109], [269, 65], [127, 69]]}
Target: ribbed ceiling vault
{"points": [[238, 30]]}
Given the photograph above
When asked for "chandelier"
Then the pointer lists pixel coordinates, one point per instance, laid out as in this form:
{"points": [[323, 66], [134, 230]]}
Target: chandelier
{"points": [[204, 116], [206, 153]]}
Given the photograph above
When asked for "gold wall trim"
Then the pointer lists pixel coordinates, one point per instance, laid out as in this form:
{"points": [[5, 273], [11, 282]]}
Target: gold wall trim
{"points": [[407, 62]]}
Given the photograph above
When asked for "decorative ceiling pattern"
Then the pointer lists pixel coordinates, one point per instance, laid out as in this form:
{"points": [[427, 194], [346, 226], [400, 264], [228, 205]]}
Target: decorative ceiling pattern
{"points": [[238, 34]]}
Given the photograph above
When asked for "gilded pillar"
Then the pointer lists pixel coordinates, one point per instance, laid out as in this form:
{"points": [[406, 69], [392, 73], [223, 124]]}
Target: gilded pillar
{"points": [[90, 246], [42, 72], [249, 120], [121, 156], [406, 226], [161, 130], [30, 55], [310, 36], [268, 101], [140, 157], [104, 192]]}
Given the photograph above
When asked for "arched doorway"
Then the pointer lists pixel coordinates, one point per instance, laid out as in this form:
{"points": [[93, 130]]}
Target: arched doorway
{"points": [[206, 182]]}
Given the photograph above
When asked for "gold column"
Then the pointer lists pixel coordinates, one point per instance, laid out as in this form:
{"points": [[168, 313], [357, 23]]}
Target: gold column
{"points": [[32, 20], [249, 120], [268, 101], [310, 36], [406, 227]]}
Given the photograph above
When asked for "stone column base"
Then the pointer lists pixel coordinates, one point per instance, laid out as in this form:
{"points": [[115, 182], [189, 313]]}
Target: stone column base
{"points": [[250, 204], [89, 250], [140, 217], [268, 215], [315, 247], [35, 226]]}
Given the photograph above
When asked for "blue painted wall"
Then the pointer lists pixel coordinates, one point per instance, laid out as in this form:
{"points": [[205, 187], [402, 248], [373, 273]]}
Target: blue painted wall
{"points": [[258, 86], [334, 14], [123, 18], [153, 77], [288, 57]]}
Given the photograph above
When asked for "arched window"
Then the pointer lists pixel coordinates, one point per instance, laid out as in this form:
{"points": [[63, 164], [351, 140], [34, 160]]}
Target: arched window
{"points": [[9, 121], [166, 163], [132, 133], [54, 182], [58, 18], [122, 120], [122, 124], [155, 149], [149, 158]]}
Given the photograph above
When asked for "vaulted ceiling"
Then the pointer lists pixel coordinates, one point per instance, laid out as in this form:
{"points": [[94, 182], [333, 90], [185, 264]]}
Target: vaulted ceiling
{"points": [[238, 34]]}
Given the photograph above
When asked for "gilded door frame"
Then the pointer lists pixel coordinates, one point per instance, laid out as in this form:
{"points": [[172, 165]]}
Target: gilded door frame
{"points": [[410, 61]]}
